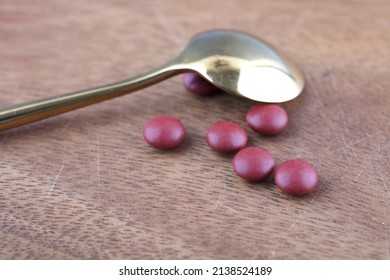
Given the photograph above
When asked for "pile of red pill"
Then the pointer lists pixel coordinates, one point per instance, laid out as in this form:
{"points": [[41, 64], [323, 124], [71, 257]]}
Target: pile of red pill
{"points": [[294, 177]]}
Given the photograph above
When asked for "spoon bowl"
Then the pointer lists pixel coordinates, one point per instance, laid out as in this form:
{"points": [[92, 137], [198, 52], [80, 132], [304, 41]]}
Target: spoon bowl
{"points": [[243, 65], [236, 62]]}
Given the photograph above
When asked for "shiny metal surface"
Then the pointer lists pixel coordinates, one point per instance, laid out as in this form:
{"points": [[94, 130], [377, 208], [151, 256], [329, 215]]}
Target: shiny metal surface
{"points": [[233, 61]]}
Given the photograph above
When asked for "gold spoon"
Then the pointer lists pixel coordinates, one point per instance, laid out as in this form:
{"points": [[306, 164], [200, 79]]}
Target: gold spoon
{"points": [[233, 61]]}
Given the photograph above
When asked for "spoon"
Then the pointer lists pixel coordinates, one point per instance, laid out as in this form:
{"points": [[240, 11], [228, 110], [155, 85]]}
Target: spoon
{"points": [[235, 62]]}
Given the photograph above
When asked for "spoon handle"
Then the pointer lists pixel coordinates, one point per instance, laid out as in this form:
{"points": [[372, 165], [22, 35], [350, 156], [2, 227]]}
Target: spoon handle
{"points": [[22, 114]]}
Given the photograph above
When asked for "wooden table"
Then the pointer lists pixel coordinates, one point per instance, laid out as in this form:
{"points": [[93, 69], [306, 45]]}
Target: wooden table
{"points": [[85, 185]]}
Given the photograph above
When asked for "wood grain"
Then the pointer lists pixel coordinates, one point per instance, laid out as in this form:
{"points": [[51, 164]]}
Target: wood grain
{"points": [[84, 185]]}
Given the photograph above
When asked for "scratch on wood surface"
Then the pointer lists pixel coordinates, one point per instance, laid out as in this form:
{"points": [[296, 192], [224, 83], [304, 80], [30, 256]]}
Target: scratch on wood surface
{"points": [[346, 145], [66, 126], [366, 137], [357, 176], [345, 128], [98, 160], [257, 255], [229, 208], [330, 74], [386, 228], [385, 185], [295, 221], [309, 5], [303, 211], [55, 180], [294, 145], [350, 145], [124, 223], [317, 95], [167, 27], [314, 197], [217, 203], [387, 163]]}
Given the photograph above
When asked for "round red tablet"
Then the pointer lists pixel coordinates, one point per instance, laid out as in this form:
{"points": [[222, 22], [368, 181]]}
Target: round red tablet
{"points": [[296, 177], [163, 132], [226, 137], [198, 85], [267, 119], [253, 163]]}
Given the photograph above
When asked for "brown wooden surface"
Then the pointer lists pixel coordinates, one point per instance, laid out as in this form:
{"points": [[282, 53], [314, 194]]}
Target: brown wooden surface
{"points": [[85, 185]]}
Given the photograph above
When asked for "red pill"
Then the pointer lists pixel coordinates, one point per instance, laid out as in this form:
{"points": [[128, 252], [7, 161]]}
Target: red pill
{"points": [[296, 177], [163, 132], [226, 137], [253, 163], [267, 119], [197, 84]]}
